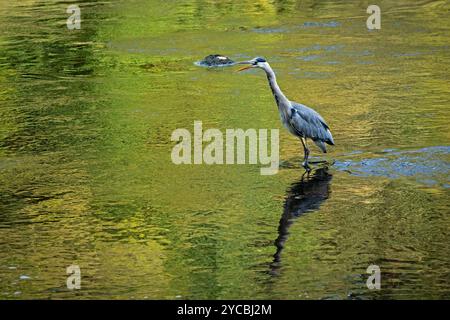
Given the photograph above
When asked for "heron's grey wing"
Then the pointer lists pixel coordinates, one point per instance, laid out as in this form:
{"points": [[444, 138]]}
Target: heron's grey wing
{"points": [[309, 124]]}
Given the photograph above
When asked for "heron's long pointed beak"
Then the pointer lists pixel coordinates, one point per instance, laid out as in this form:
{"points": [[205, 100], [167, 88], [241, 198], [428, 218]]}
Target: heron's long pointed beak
{"points": [[244, 68]]}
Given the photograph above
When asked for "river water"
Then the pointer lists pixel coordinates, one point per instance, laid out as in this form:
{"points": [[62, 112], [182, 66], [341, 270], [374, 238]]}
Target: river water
{"points": [[86, 176]]}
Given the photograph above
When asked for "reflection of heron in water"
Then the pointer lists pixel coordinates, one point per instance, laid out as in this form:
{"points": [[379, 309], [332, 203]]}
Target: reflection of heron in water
{"points": [[304, 196]]}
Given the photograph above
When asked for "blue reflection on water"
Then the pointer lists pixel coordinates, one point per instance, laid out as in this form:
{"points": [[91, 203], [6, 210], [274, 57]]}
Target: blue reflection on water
{"points": [[429, 165]]}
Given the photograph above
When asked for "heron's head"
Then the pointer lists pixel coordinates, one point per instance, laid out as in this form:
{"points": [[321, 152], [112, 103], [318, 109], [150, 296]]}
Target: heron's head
{"points": [[257, 62]]}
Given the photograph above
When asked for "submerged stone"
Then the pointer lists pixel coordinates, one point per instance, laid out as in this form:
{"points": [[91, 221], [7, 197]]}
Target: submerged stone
{"points": [[216, 60]]}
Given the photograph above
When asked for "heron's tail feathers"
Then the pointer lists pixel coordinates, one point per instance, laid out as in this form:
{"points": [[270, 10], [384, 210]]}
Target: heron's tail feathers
{"points": [[321, 145], [329, 140]]}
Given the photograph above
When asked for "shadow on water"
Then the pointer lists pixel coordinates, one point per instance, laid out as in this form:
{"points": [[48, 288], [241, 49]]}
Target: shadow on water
{"points": [[304, 196]]}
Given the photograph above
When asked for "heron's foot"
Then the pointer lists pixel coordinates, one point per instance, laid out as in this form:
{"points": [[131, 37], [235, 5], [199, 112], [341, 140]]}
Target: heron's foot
{"points": [[323, 162], [318, 162], [306, 166]]}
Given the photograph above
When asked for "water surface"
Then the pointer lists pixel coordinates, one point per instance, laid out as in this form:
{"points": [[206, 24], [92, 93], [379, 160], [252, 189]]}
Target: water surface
{"points": [[86, 175]]}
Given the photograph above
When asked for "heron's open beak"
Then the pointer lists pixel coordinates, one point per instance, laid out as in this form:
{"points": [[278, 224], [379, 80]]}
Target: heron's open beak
{"points": [[244, 68]]}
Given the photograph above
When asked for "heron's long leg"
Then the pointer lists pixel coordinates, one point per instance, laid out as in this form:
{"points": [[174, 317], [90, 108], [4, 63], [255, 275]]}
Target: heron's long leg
{"points": [[306, 150]]}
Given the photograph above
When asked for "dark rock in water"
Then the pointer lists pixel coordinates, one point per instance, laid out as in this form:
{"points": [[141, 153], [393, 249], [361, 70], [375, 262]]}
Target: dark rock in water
{"points": [[214, 60]]}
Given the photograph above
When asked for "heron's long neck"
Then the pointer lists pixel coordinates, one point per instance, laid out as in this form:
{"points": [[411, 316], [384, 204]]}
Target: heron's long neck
{"points": [[280, 98]]}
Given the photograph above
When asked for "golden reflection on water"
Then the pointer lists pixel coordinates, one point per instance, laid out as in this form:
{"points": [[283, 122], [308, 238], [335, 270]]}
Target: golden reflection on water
{"points": [[85, 125]]}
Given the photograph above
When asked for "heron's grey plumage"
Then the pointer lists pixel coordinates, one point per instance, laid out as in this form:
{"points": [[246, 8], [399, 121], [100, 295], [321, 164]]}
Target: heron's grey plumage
{"points": [[307, 123], [298, 119]]}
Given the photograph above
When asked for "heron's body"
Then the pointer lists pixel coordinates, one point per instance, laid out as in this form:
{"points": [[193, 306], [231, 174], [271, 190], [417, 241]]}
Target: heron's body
{"points": [[300, 120]]}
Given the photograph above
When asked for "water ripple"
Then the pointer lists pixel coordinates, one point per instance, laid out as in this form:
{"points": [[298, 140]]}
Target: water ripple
{"points": [[429, 165]]}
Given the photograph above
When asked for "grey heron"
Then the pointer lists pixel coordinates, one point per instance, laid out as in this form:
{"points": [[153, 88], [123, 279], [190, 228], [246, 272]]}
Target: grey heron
{"points": [[300, 120]]}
